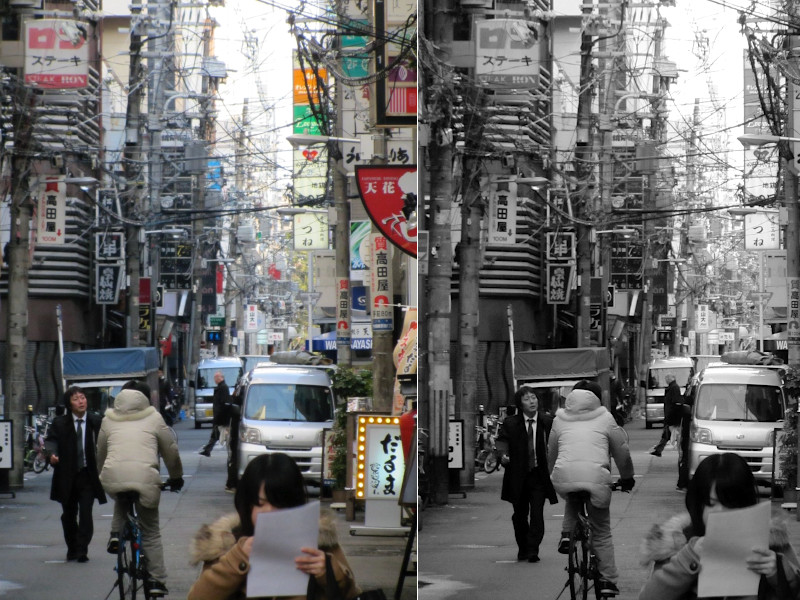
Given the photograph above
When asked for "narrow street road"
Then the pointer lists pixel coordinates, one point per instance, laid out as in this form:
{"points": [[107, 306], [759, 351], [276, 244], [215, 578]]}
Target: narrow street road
{"points": [[32, 549], [467, 548]]}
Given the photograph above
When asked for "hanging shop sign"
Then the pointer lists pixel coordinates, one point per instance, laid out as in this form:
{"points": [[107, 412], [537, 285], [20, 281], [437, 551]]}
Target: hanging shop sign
{"points": [[109, 246], [107, 283], [559, 282], [51, 202], [702, 318], [561, 245], [56, 53], [175, 266], [311, 230], [395, 102], [389, 194], [507, 53], [310, 174], [343, 312], [359, 245], [762, 230], [502, 213], [108, 213], [793, 312]]}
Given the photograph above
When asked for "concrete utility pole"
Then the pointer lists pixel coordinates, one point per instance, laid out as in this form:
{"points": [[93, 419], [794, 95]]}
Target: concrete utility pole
{"points": [[382, 347], [473, 209], [18, 265], [134, 174], [583, 173], [790, 189], [438, 114], [344, 353]]}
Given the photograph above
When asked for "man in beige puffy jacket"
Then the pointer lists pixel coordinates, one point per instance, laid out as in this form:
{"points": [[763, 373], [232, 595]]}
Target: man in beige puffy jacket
{"points": [[132, 437]]}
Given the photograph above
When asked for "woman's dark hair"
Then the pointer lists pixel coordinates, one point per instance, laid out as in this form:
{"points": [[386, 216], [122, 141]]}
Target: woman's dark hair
{"points": [[592, 386], [71, 391], [139, 386], [283, 485], [734, 482], [520, 393]]}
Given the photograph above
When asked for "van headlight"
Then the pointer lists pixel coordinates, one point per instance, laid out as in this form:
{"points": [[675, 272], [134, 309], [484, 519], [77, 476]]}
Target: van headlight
{"points": [[770, 438], [250, 435], [701, 435]]}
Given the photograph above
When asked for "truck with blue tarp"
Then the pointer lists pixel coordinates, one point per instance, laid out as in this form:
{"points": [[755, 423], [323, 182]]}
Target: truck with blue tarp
{"points": [[101, 373]]}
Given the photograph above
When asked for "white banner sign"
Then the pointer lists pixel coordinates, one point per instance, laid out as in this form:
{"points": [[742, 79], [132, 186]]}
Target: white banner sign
{"points": [[250, 318], [56, 53], [51, 205], [703, 321]]}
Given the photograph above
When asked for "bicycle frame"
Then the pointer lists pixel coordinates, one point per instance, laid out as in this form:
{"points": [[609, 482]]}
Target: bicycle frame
{"points": [[131, 563], [582, 562]]}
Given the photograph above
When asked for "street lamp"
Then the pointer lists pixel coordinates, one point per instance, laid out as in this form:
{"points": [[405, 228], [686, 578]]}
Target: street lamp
{"points": [[754, 139], [304, 139]]}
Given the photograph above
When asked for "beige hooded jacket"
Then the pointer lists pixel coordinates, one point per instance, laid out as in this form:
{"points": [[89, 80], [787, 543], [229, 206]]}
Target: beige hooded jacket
{"points": [[132, 437]]}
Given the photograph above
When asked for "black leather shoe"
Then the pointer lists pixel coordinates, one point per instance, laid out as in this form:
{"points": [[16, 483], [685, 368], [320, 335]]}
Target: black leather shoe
{"points": [[205, 452], [522, 556], [655, 452], [83, 558], [72, 556], [533, 558]]}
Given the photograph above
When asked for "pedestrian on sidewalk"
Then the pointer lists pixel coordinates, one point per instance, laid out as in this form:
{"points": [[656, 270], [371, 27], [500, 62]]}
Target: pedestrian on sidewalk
{"points": [[270, 482], [222, 401], [673, 414], [583, 439], [132, 438], [522, 444], [673, 551], [71, 442]]}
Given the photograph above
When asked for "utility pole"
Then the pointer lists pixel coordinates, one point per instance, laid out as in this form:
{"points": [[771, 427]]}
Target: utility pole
{"points": [[437, 115], [18, 265], [790, 183], [584, 188], [382, 348], [469, 264], [344, 352], [134, 174]]}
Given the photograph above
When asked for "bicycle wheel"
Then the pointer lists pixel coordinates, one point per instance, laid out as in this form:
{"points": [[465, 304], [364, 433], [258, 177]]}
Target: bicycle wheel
{"points": [[578, 564], [126, 571], [491, 464], [39, 463]]}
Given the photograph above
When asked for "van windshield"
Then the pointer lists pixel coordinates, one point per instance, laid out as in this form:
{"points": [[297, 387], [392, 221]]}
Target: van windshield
{"points": [[205, 377], [288, 402], [739, 402], [658, 377]]}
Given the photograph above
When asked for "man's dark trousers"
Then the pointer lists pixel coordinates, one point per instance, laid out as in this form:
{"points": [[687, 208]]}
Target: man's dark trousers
{"points": [[529, 508], [76, 515]]}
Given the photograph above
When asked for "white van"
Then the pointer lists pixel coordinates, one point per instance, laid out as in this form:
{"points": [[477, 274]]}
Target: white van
{"points": [[285, 409], [203, 385], [655, 385], [737, 409]]}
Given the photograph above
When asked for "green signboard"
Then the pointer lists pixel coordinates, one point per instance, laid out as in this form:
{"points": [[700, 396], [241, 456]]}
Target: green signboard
{"points": [[216, 321], [304, 121]]}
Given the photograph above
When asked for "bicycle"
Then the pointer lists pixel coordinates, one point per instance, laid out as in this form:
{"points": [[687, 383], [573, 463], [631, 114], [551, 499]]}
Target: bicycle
{"points": [[36, 458], [131, 567], [582, 569]]}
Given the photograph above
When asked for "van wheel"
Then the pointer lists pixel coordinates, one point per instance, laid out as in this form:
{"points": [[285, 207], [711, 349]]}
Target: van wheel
{"points": [[648, 425], [197, 425]]}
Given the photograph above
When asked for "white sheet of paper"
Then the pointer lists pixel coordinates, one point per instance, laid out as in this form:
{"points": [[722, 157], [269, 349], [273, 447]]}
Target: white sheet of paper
{"points": [[730, 537], [279, 536]]}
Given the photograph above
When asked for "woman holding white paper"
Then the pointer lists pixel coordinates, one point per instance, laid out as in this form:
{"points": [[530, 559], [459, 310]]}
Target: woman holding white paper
{"points": [[270, 482], [674, 550]]}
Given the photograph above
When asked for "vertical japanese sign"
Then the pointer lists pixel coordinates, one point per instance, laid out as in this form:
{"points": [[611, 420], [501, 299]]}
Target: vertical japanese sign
{"points": [[381, 285], [561, 245], [108, 210], [343, 312], [107, 278], [793, 312], [559, 282], [56, 53], [311, 231], [389, 194], [380, 473], [250, 318], [51, 200], [310, 173], [703, 322], [502, 213], [507, 53], [109, 246]]}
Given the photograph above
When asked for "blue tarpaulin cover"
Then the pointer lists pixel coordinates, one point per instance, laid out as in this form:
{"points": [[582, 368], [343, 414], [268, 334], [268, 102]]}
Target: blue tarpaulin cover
{"points": [[117, 362]]}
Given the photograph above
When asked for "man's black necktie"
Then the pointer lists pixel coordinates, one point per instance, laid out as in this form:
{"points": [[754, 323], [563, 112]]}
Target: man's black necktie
{"points": [[531, 445], [81, 457]]}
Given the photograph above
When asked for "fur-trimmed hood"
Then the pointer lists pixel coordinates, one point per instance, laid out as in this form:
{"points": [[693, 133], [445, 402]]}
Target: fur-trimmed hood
{"points": [[665, 540], [212, 541]]}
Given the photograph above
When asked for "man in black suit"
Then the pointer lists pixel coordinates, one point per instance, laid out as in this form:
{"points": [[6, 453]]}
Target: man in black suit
{"points": [[71, 443], [522, 442]]}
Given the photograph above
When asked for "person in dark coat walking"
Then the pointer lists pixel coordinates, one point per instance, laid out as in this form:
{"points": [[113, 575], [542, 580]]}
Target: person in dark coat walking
{"points": [[71, 443], [222, 401], [673, 413], [522, 443]]}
